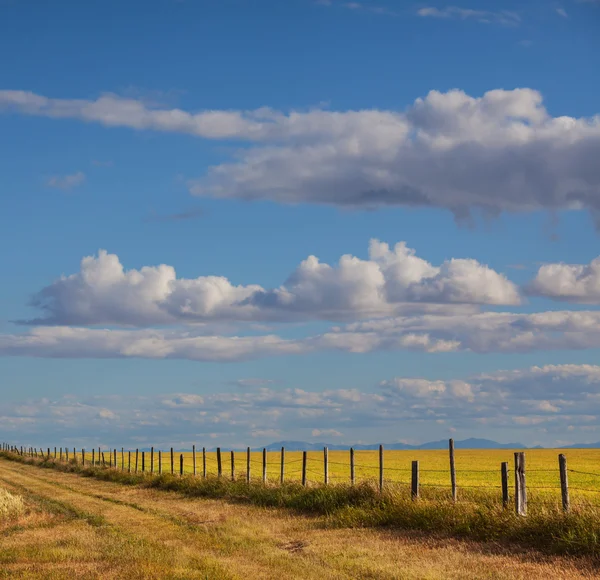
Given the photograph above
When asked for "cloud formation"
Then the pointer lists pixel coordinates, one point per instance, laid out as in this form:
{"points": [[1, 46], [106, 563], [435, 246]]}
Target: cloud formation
{"points": [[502, 151], [66, 182], [503, 17], [392, 280], [578, 283], [479, 333], [557, 399]]}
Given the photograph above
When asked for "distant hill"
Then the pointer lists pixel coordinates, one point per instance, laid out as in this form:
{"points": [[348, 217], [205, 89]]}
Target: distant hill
{"points": [[471, 443]]}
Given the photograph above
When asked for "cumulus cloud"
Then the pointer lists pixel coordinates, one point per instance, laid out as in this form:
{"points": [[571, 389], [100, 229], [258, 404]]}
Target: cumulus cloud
{"points": [[554, 397], [571, 282], [504, 17], [478, 333], [392, 280], [502, 151], [481, 333], [66, 182]]}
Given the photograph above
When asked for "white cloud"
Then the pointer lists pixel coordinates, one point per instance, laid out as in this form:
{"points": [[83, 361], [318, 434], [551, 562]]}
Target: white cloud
{"points": [[554, 396], [504, 17], [391, 281], [572, 282], [479, 333], [502, 151], [66, 182], [562, 12]]}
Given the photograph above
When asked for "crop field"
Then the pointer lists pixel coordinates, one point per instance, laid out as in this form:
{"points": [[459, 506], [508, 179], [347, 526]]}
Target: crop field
{"points": [[478, 470]]}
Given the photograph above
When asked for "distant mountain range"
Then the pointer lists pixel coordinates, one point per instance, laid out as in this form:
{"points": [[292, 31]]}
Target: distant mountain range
{"points": [[471, 443]]}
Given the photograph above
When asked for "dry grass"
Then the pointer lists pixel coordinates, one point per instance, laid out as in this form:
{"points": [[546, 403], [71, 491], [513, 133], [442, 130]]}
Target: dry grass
{"points": [[11, 506], [118, 531]]}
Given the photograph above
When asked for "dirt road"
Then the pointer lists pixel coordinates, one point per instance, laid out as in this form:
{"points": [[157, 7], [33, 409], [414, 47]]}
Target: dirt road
{"points": [[84, 528]]}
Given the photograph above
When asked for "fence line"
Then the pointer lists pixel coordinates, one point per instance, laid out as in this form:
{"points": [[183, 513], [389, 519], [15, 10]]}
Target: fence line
{"points": [[285, 470]]}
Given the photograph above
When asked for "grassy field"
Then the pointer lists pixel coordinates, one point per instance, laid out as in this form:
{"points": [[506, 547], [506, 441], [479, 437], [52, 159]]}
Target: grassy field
{"points": [[87, 527], [476, 469]]}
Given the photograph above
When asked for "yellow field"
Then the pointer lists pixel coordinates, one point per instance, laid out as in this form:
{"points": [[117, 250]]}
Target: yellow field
{"points": [[476, 469]]}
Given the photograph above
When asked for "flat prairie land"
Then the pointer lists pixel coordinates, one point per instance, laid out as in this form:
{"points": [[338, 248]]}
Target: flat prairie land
{"points": [[477, 469], [82, 527]]}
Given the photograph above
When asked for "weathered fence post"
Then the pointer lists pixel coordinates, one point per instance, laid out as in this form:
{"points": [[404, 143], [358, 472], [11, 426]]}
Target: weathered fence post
{"points": [[181, 465], [504, 477], [248, 464], [415, 480], [152, 460], [115, 461], [143, 461], [122, 458], [380, 468], [194, 459], [282, 478], [264, 466], [129, 464], [204, 462], [83, 457], [452, 469], [564, 482], [94, 457], [304, 468], [232, 465], [74, 454], [48, 452], [60, 453], [103, 460], [67, 454], [520, 486], [219, 464], [352, 474], [159, 462], [172, 462], [55, 453], [325, 465], [136, 459]]}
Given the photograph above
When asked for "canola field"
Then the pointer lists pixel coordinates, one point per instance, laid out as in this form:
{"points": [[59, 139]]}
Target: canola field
{"points": [[477, 471]]}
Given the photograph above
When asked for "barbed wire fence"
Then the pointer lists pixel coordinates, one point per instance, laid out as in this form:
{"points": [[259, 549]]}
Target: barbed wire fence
{"points": [[312, 471]]}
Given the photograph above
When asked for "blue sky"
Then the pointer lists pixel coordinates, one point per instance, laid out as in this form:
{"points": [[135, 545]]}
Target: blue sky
{"points": [[234, 140]]}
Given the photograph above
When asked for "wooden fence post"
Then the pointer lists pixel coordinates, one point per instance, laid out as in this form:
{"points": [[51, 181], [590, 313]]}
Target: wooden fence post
{"points": [[380, 468], [129, 465], [115, 462], [181, 465], [103, 460], [122, 458], [282, 479], [264, 466], [219, 464], [232, 465], [83, 457], [55, 453], [194, 459], [520, 486], [67, 454], [136, 459], [248, 459], [60, 453], [143, 461], [564, 482], [94, 457], [152, 460], [325, 465], [504, 476], [452, 469], [204, 462], [74, 454], [159, 462], [415, 480], [352, 474], [304, 468], [48, 452]]}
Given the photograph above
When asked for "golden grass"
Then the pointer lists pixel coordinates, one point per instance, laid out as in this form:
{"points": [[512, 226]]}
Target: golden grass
{"points": [[11, 506], [147, 533]]}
